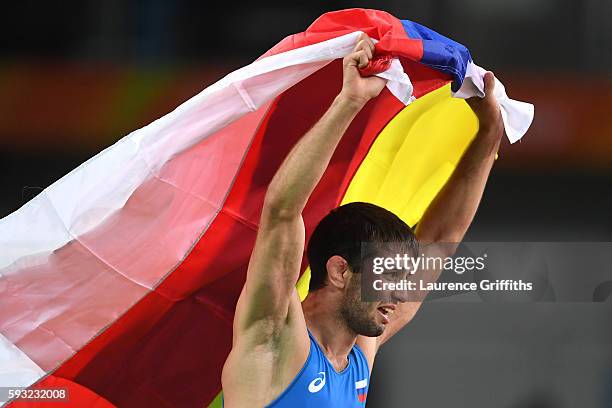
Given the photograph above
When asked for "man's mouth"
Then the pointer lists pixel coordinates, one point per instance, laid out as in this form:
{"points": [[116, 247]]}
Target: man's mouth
{"points": [[386, 312]]}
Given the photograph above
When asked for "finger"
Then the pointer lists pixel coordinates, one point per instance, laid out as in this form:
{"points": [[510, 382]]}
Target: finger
{"points": [[362, 58], [367, 41], [363, 36], [371, 44], [489, 83], [360, 40], [369, 51], [356, 59], [363, 45], [358, 45]]}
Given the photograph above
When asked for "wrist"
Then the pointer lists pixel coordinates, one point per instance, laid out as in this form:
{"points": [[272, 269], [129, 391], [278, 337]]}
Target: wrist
{"points": [[350, 102], [492, 129]]}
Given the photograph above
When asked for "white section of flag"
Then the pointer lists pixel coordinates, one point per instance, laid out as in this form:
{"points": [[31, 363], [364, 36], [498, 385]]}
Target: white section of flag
{"points": [[85, 197], [361, 384], [517, 115], [16, 369]]}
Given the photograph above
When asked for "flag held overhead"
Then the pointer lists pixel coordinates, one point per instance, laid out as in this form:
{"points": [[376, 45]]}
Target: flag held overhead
{"points": [[121, 278]]}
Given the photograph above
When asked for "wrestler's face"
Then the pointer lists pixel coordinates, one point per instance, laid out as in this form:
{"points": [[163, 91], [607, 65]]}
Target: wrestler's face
{"points": [[364, 318]]}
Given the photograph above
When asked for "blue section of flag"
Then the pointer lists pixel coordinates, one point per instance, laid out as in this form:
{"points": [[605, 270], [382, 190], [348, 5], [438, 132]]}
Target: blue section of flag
{"points": [[440, 52]]}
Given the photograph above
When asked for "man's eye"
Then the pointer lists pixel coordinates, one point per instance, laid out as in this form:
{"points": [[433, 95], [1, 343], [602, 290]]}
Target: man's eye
{"points": [[392, 276]]}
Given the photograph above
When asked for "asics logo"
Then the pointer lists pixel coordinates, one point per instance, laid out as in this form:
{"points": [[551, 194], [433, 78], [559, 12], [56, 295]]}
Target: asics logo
{"points": [[318, 383]]}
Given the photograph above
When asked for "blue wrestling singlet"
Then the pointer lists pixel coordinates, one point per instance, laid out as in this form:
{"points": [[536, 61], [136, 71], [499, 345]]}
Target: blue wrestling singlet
{"points": [[319, 385]]}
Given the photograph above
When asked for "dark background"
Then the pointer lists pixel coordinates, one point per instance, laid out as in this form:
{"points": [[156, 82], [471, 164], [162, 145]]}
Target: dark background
{"points": [[78, 75]]}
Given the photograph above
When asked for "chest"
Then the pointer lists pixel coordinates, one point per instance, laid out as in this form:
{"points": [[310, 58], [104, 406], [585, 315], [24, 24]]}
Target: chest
{"points": [[322, 385]]}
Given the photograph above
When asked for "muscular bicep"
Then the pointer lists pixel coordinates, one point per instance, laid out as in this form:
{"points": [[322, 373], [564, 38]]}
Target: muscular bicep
{"points": [[272, 273]]}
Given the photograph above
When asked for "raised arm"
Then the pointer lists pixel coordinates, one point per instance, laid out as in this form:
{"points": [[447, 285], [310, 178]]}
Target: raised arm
{"points": [[275, 263], [450, 214]]}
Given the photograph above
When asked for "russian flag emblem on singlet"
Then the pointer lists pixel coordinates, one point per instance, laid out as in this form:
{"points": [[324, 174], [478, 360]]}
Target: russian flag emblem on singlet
{"points": [[360, 387]]}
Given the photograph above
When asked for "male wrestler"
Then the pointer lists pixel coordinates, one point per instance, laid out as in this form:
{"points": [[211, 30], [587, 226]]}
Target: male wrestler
{"points": [[320, 353]]}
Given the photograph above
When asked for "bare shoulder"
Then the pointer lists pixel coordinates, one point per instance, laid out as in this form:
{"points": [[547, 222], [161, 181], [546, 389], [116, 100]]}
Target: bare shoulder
{"points": [[265, 358]]}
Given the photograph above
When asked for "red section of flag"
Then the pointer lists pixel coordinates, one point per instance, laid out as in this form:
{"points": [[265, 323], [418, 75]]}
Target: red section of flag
{"points": [[377, 24], [77, 396], [377, 65], [362, 397]]}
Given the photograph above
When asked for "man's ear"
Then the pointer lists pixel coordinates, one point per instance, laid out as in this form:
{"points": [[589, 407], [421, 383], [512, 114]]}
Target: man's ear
{"points": [[337, 271]]}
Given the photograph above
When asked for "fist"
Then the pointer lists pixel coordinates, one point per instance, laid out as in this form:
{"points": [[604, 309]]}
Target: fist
{"points": [[487, 109], [355, 87]]}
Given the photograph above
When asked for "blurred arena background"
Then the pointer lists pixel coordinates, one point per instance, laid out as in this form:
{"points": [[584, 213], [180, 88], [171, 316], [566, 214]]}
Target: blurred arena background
{"points": [[78, 75]]}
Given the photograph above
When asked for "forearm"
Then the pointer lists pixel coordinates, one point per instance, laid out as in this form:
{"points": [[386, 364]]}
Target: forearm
{"points": [[302, 169], [450, 214]]}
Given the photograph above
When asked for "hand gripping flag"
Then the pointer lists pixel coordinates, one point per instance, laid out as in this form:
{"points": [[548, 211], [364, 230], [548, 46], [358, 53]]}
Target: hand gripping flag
{"points": [[119, 281]]}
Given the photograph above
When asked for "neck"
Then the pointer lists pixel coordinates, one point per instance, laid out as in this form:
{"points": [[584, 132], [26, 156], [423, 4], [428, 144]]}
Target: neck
{"points": [[327, 326]]}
